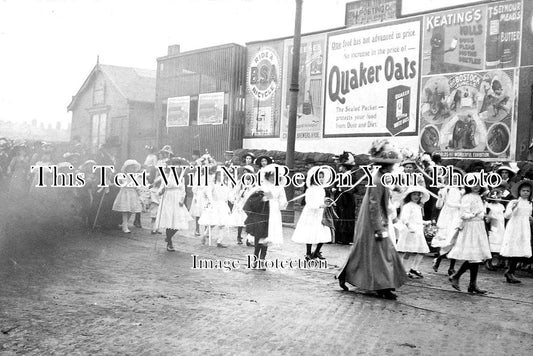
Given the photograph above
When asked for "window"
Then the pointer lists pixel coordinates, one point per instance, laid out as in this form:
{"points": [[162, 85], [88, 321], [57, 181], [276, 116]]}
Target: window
{"points": [[99, 94], [98, 130]]}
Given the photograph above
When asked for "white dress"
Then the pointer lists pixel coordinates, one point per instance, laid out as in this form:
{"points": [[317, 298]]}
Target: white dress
{"points": [[128, 200], [276, 204], [199, 201], [497, 225], [517, 238], [412, 239], [309, 229], [170, 214], [238, 216], [217, 212], [449, 218], [472, 243]]}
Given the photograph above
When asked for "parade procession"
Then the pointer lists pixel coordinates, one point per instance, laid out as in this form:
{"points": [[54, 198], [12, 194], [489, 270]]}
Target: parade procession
{"points": [[356, 179]]}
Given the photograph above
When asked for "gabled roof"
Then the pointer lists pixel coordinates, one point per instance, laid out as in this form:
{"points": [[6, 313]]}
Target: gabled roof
{"points": [[133, 84]]}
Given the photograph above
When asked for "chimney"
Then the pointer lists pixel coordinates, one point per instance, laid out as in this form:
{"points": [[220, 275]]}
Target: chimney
{"points": [[173, 49]]}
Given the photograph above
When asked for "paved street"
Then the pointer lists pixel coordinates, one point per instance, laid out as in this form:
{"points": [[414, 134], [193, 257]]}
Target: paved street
{"points": [[64, 291]]}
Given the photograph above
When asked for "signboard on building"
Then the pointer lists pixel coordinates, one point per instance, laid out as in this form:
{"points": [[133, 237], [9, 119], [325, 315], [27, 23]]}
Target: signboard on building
{"points": [[372, 80], [469, 115], [363, 12], [178, 109], [413, 7], [310, 94], [211, 108], [263, 94]]}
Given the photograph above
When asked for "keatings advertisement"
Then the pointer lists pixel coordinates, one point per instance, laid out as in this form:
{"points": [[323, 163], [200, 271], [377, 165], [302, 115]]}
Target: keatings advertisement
{"points": [[178, 111], [263, 94], [469, 115], [211, 108], [311, 74], [372, 80], [473, 38]]}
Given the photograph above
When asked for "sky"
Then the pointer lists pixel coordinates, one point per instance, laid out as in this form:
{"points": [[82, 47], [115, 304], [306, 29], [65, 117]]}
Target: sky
{"points": [[49, 47]]}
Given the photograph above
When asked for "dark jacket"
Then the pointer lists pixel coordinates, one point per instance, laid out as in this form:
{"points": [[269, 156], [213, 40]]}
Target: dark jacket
{"points": [[258, 214]]}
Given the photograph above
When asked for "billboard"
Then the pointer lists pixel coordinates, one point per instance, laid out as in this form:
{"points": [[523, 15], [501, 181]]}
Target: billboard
{"points": [[469, 115], [372, 80], [311, 75], [211, 108], [263, 90], [363, 12], [178, 109]]}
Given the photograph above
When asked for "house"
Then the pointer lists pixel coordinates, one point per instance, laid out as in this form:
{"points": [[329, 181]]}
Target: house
{"points": [[116, 101]]}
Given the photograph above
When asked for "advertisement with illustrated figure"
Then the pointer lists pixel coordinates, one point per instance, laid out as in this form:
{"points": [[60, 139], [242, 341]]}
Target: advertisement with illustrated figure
{"points": [[454, 41], [468, 115], [372, 80], [263, 94], [178, 111], [211, 109], [309, 110]]}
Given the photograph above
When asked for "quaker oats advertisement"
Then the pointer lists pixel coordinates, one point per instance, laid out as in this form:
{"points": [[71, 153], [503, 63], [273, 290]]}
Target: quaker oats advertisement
{"points": [[372, 81], [309, 110], [469, 115]]}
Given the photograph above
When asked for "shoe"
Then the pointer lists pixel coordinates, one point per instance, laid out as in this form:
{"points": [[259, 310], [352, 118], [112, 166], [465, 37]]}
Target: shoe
{"points": [[159, 232], [436, 264], [196, 233], [455, 283], [319, 256], [170, 248], [387, 294], [220, 245], [489, 266], [476, 290], [126, 231], [511, 278], [416, 273], [451, 272], [248, 243], [342, 284], [239, 242], [153, 232]]}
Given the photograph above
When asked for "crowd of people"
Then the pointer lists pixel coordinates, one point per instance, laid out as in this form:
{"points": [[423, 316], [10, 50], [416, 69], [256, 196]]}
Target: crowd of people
{"points": [[395, 228]]}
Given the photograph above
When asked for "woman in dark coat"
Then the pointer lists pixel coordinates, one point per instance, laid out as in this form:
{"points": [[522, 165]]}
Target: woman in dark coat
{"points": [[373, 263], [345, 205], [106, 217], [257, 209]]}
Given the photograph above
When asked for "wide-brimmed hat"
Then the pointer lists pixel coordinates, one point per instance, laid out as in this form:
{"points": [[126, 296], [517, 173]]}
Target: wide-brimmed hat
{"points": [[346, 159], [177, 161], [166, 149], [496, 194], [271, 168], [512, 171], [424, 194], [257, 161], [515, 189], [408, 161], [382, 151], [248, 168], [313, 170], [131, 162]]}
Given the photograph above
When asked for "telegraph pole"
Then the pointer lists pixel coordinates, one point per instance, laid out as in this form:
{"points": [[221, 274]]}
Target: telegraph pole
{"points": [[293, 106]]}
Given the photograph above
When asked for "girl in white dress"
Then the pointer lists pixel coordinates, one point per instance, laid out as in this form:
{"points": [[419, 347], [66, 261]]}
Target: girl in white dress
{"points": [[496, 224], [517, 238], [217, 212], [128, 201], [239, 193], [309, 229], [412, 241], [472, 245], [172, 214]]}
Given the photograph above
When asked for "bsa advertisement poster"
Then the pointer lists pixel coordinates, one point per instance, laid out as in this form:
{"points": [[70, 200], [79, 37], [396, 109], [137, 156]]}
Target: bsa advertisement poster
{"points": [[211, 108], [372, 81], [178, 111], [469, 115], [309, 111], [263, 94]]}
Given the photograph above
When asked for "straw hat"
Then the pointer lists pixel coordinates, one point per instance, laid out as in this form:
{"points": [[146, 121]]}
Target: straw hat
{"points": [[167, 149], [408, 161], [248, 168], [512, 171], [496, 195], [382, 151], [131, 162], [313, 170], [424, 194], [178, 161], [515, 189]]}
